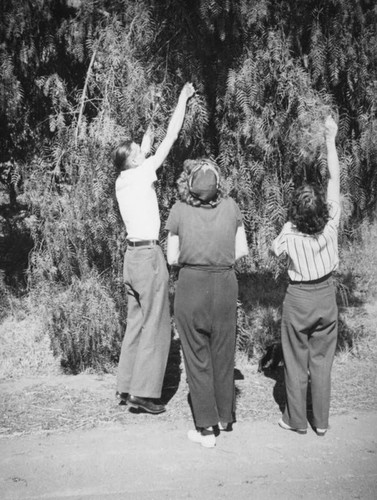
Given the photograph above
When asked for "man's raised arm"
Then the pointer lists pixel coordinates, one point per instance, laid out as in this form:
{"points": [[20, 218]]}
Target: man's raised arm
{"points": [[174, 127], [333, 187], [146, 143]]}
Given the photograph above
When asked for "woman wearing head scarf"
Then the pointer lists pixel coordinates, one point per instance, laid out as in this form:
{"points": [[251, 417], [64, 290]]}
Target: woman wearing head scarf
{"points": [[206, 236]]}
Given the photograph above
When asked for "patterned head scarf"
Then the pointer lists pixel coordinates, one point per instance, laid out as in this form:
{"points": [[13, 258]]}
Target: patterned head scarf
{"points": [[203, 181]]}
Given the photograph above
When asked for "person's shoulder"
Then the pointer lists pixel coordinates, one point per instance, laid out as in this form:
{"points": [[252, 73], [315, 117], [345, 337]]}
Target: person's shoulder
{"points": [[229, 200], [229, 203], [178, 205], [288, 226], [149, 165], [121, 180], [176, 212], [289, 229], [145, 172]]}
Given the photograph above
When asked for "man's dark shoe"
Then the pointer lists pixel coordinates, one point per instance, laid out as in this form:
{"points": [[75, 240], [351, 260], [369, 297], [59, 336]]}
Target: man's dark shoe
{"points": [[146, 404], [123, 397]]}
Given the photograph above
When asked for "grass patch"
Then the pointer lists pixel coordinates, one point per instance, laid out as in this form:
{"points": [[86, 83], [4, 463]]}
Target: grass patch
{"points": [[25, 349]]}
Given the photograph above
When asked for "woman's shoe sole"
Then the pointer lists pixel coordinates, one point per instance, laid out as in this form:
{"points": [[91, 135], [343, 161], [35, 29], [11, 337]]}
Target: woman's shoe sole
{"points": [[286, 427]]}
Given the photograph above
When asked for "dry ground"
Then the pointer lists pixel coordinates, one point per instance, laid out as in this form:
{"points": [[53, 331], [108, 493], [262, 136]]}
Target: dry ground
{"points": [[58, 402], [66, 437]]}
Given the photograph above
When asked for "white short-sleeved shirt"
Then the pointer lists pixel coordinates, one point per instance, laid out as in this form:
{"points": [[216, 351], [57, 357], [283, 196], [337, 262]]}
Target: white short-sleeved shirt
{"points": [[310, 256], [137, 201]]}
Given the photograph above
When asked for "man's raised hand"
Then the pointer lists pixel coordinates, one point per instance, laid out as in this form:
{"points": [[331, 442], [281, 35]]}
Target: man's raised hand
{"points": [[188, 90]]}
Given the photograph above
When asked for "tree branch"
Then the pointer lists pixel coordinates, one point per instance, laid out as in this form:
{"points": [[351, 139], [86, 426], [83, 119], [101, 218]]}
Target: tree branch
{"points": [[84, 95]]}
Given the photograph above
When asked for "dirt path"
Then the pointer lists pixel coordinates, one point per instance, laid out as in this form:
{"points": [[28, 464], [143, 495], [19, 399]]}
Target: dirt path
{"points": [[154, 460], [66, 437]]}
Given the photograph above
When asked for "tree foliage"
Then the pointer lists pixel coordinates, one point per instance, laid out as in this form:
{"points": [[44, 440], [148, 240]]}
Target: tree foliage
{"points": [[79, 76]]}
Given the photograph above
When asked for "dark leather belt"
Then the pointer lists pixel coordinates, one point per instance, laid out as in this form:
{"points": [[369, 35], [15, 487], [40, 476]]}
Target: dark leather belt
{"points": [[141, 243], [213, 269], [312, 282]]}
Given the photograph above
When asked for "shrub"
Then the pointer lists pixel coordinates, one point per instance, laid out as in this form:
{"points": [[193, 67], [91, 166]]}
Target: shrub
{"points": [[358, 262], [245, 340], [258, 330], [84, 326], [259, 312]]}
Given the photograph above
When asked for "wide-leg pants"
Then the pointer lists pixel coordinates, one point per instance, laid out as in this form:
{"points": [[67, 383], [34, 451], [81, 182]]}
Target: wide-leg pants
{"points": [[309, 334], [146, 343], [205, 310]]}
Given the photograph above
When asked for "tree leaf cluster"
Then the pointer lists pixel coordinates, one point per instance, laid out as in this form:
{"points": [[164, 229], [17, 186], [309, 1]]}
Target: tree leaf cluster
{"points": [[78, 77]]}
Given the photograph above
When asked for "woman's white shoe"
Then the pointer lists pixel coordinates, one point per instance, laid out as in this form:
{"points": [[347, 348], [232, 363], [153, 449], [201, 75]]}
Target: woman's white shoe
{"points": [[321, 432], [208, 441], [287, 427]]}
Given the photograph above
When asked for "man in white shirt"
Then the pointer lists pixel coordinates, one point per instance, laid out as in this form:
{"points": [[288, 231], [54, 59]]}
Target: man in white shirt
{"points": [[146, 343]]}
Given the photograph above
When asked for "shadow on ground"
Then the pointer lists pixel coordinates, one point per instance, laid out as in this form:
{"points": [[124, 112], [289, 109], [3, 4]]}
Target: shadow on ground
{"points": [[278, 392], [173, 372]]}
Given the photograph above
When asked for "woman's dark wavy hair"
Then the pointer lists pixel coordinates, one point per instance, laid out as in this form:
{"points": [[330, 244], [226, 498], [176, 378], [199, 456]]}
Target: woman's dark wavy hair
{"points": [[183, 183], [309, 211]]}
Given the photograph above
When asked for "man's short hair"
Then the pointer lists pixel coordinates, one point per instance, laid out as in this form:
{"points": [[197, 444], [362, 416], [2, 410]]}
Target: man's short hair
{"points": [[120, 156], [309, 211]]}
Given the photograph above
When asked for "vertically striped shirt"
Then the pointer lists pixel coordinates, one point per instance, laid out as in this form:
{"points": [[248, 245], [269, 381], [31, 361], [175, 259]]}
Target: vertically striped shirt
{"points": [[311, 256]]}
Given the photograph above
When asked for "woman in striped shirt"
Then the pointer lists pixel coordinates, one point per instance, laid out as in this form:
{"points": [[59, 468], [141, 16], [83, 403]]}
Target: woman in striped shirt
{"points": [[309, 325]]}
